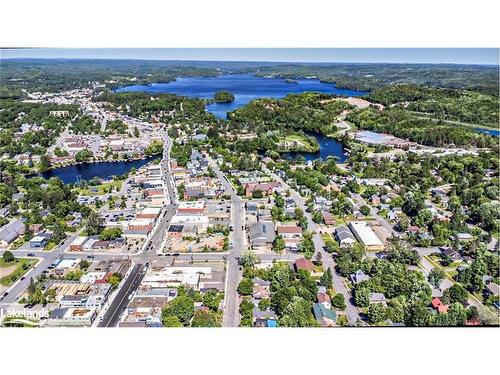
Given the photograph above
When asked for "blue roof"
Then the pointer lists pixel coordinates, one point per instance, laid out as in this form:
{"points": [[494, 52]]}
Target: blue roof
{"points": [[272, 323]]}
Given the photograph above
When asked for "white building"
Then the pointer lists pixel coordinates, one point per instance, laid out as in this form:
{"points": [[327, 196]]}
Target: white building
{"points": [[364, 233]]}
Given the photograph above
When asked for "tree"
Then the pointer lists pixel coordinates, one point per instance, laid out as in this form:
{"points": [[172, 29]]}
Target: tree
{"points": [[435, 277], [455, 293], [8, 257], [83, 155], [327, 278], [95, 224], [365, 210], [211, 299], [278, 244], [44, 163], [317, 217], [298, 314], [110, 234], [361, 296], [171, 321], [338, 301], [376, 313], [457, 314], [245, 287], [248, 259], [204, 318], [182, 307]]}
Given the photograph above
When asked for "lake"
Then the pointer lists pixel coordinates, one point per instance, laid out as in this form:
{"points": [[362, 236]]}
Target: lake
{"points": [[87, 171], [244, 87], [327, 147]]}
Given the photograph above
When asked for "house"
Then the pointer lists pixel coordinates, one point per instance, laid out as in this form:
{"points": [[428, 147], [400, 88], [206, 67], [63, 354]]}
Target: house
{"points": [[304, 264], [375, 200], [344, 236], [449, 252], [36, 228], [289, 231], [11, 232], [78, 243], [492, 289], [464, 236], [328, 218], [266, 188], [261, 288], [262, 235], [324, 316], [439, 306], [358, 277], [377, 298], [325, 300]]}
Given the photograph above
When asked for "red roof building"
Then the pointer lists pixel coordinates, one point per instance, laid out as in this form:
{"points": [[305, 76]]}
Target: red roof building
{"points": [[304, 264]]}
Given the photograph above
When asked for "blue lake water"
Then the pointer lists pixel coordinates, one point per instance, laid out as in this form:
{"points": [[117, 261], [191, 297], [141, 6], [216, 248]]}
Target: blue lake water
{"points": [[244, 87], [327, 147], [87, 171], [493, 132]]}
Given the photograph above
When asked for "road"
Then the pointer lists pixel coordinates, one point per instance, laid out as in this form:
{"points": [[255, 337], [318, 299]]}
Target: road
{"points": [[119, 303], [351, 311], [237, 239]]}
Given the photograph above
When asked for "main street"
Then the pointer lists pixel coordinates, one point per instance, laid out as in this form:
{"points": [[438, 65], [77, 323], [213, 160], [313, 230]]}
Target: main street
{"points": [[237, 241]]}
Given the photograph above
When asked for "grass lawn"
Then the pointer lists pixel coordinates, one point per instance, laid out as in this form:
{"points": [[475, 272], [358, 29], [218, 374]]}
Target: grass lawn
{"points": [[300, 142], [101, 189], [16, 269]]}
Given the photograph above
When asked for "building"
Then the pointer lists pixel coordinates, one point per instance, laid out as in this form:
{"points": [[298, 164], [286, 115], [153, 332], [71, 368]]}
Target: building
{"points": [[71, 317], [364, 233], [304, 264], [266, 188], [261, 288], [289, 231], [358, 277], [59, 113], [40, 240], [262, 235], [324, 316], [191, 208], [149, 213], [198, 221], [78, 243], [344, 236], [11, 232]]}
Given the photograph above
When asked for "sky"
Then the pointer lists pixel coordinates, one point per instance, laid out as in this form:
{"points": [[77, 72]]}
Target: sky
{"points": [[483, 56]]}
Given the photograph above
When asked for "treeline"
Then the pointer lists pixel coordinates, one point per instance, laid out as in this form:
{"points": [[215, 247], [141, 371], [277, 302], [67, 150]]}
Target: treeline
{"points": [[402, 124], [53, 75], [308, 112], [457, 105], [369, 77], [169, 108]]}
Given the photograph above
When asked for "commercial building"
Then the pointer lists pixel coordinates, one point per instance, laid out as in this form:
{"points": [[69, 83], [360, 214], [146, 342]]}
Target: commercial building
{"points": [[71, 317], [364, 233]]}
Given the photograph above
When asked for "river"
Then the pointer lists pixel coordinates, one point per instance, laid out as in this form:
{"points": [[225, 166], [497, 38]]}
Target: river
{"points": [[87, 171]]}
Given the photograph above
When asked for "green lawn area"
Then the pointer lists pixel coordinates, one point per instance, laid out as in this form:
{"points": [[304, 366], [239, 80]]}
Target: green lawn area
{"points": [[19, 267], [101, 189], [301, 142]]}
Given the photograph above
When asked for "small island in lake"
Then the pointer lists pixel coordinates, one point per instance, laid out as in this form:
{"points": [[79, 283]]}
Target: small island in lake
{"points": [[223, 97]]}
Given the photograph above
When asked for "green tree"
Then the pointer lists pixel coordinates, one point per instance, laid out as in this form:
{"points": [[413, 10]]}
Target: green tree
{"points": [[455, 293], [171, 321], [8, 257], [327, 278], [203, 318], [95, 224], [182, 307], [435, 277], [338, 301], [248, 259], [376, 313], [245, 287]]}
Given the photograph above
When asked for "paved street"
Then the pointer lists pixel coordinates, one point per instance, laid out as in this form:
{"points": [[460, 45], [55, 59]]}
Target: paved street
{"points": [[237, 239], [119, 303]]}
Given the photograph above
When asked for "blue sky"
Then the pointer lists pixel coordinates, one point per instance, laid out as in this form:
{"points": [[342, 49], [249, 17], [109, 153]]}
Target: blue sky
{"points": [[394, 55]]}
